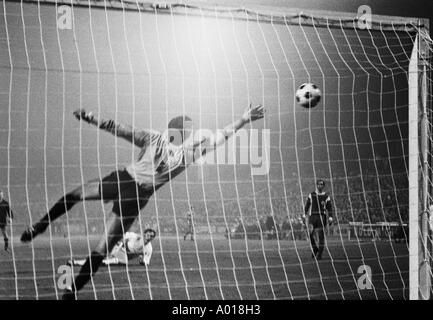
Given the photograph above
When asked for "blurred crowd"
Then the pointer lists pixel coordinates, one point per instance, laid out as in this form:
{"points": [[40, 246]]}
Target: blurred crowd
{"points": [[367, 198]]}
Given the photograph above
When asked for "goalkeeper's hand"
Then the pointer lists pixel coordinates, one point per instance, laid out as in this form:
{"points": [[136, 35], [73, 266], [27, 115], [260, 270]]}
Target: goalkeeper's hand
{"points": [[81, 114]]}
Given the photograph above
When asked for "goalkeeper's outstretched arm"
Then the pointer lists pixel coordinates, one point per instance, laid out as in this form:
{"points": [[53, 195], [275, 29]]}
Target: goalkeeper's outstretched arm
{"points": [[138, 137], [221, 136]]}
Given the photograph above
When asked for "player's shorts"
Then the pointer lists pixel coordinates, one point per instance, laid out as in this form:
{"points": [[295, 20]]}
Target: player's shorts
{"points": [[128, 197], [317, 221]]}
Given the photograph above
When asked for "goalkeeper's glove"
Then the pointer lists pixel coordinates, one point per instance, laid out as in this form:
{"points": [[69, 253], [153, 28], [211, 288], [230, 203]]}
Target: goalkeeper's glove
{"points": [[81, 114]]}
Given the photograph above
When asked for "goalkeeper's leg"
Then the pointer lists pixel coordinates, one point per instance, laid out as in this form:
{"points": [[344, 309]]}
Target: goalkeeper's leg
{"points": [[88, 191], [116, 228]]}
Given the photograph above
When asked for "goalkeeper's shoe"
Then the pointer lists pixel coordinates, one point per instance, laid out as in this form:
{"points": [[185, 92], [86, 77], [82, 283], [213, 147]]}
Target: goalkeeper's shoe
{"points": [[31, 232], [69, 294]]}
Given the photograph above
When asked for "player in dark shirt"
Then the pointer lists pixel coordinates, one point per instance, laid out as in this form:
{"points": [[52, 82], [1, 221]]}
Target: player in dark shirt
{"points": [[189, 221], [5, 215], [318, 211]]}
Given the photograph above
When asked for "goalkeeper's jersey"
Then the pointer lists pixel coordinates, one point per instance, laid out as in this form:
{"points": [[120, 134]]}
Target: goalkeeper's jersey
{"points": [[158, 160], [157, 163], [318, 203]]}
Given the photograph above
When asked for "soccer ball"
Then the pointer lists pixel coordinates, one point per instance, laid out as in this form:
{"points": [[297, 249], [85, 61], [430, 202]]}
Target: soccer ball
{"points": [[308, 95]]}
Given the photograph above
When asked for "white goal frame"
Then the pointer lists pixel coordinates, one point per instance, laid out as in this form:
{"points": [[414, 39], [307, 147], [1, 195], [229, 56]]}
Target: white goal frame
{"points": [[419, 150]]}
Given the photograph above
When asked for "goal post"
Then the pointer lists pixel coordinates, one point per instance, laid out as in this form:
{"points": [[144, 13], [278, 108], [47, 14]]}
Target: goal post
{"points": [[420, 167]]}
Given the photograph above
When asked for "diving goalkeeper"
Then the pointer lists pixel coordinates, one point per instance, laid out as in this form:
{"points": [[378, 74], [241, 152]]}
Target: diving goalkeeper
{"points": [[159, 161]]}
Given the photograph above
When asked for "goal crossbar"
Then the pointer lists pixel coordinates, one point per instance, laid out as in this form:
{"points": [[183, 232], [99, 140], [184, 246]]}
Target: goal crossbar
{"points": [[262, 13]]}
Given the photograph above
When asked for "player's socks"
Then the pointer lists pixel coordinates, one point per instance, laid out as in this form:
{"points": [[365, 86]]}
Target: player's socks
{"points": [[87, 270], [6, 244], [62, 205]]}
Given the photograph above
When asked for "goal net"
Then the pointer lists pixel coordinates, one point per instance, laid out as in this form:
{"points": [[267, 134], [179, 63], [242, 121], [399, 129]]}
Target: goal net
{"points": [[142, 64]]}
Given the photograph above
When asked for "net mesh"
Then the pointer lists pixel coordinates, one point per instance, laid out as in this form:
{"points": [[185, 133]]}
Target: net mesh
{"points": [[144, 64]]}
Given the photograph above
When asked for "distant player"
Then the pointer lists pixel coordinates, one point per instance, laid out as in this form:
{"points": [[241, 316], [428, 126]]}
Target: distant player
{"points": [[6, 215], [190, 224], [160, 160], [318, 211], [131, 246]]}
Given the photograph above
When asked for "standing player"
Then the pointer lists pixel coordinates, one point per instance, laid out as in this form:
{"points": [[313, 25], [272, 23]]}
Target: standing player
{"points": [[190, 222], [131, 246], [6, 215], [159, 161], [318, 211]]}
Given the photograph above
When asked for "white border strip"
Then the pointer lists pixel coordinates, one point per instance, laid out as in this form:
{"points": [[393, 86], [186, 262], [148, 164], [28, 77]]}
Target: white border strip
{"points": [[413, 174]]}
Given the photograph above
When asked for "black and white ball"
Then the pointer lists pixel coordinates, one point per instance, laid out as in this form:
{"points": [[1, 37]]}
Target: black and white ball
{"points": [[308, 95]]}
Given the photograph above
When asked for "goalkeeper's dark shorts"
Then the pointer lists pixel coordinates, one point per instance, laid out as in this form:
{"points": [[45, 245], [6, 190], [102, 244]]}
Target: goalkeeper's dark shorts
{"points": [[317, 221], [127, 196]]}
